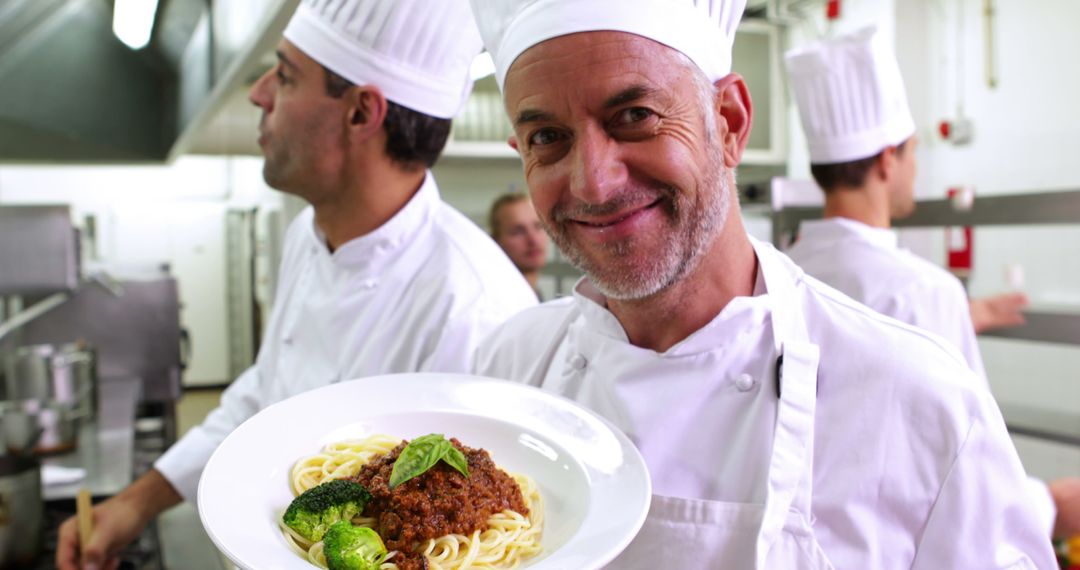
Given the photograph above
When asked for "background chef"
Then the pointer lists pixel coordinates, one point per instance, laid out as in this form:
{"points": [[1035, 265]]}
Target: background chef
{"points": [[517, 230], [865, 164], [378, 275], [783, 424]]}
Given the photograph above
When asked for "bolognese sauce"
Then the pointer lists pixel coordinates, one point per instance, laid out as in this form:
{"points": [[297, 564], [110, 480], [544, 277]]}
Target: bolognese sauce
{"points": [[442, 501]]}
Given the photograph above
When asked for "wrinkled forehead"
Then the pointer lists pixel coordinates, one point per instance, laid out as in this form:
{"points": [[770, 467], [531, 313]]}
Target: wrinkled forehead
{"points": [[595, 60]]}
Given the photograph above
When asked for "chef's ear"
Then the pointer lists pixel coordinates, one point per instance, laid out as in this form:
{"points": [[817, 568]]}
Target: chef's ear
{"points": [[734, 116], [886, 163], [366, 110]]}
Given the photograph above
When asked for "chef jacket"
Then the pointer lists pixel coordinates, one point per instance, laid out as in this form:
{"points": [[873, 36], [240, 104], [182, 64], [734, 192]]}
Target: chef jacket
{"points": [[875, 448], [415, 295], [868, 265]]}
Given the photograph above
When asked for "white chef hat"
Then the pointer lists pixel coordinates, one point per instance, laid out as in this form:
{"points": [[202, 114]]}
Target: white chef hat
{"points": [[851, 97], [703, 30], [418, 52]]}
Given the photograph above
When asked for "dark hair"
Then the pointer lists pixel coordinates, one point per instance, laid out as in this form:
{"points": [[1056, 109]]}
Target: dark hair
{"points": [[412, 138], [846, 174], [503, 200]]}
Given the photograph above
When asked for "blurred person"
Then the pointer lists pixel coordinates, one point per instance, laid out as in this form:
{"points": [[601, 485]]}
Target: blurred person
{"points": [[783, 424], [517, 230], [378, 275], [865, 164]]}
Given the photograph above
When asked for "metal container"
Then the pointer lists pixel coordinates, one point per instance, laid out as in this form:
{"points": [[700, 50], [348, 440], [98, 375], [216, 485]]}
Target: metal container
{"points": [[21, 511], [41, 428], [65, 374]]}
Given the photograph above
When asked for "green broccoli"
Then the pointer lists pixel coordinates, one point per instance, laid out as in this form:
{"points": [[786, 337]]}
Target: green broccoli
{"points": [[316, 509], [349, 547]]}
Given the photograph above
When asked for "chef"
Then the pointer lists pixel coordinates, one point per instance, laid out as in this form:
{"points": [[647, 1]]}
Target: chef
{"points": [[865, 164], [862, 141], [517, 230], [378, 274], [784, 425]]}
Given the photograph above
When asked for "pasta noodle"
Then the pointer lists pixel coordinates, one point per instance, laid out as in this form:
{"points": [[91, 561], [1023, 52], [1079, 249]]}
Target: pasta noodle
{"points": [[509, 540]]}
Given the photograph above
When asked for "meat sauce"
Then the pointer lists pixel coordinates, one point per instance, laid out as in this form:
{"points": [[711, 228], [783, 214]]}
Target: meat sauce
{"points": [[441, 501]]}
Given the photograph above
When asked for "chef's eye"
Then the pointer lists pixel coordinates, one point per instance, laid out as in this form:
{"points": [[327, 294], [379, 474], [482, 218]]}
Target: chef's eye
{"points": [[280, 73], [544, 137], [633, 115]]}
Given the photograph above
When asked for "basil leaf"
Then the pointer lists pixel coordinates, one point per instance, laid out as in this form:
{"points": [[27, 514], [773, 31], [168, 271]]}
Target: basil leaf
{"points": [[456, 459], [418, 456]]}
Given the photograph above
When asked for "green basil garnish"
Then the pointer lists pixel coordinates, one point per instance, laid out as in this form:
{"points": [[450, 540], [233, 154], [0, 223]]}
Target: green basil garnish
{"points": [[456, 459], [422, 454]]}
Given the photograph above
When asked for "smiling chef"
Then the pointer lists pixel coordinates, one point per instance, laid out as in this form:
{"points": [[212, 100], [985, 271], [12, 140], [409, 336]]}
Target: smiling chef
{"points": [[784, 425]]}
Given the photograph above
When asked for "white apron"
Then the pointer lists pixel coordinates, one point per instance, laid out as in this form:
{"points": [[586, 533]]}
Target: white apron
{"points": [[693, 533]]}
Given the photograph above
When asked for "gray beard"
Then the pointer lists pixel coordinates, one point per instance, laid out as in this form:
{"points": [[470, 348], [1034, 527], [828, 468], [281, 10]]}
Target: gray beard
{"points": [[695, 228]]}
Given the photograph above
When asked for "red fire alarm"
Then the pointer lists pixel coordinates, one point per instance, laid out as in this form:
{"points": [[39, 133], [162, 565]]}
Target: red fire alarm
{"points": [[959, 242], [832, 9]]}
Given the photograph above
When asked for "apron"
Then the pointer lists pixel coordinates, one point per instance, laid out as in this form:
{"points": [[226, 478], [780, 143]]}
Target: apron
{"points": [[685, 533]]}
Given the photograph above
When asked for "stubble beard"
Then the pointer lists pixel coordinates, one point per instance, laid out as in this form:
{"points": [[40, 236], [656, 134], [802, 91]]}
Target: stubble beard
{"points": [[693, 228]]}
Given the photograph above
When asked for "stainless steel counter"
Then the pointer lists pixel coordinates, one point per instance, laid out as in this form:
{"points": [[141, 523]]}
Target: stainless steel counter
{"points": [[107, 451], [105, 446]]}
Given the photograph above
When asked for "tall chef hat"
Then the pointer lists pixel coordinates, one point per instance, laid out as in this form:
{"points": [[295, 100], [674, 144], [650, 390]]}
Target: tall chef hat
{"points": [[703, 30], [851, 97], [418, 52]]}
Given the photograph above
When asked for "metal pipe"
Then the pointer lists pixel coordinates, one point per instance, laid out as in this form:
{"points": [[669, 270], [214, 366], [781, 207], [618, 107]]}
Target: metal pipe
{"points": [[36, 310], [990, 12]]}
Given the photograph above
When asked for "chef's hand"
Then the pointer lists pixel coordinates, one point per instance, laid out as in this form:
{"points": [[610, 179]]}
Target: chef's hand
{"points": [[1066, 494], [999, 311], [117, 522]]}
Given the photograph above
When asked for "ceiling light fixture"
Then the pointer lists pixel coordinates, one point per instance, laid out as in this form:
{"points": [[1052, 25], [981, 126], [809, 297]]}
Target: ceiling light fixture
{"points": [[133, 21]]}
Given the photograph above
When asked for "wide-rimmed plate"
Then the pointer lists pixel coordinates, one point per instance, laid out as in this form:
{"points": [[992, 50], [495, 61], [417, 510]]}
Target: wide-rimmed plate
{"points": [[594, 482]]}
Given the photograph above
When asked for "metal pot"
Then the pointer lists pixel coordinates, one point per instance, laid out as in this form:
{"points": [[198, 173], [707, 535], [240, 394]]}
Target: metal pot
{"points": [[21, 511], [33, 426], [65, 374]]}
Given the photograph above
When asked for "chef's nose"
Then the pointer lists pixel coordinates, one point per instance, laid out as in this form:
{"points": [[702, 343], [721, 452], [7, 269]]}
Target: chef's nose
{"points": [[260, 93], [598, 171]]}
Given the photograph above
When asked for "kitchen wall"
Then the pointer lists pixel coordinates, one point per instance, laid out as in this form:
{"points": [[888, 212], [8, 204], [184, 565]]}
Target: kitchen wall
{"points": [[150, 215], [1026, 133]]}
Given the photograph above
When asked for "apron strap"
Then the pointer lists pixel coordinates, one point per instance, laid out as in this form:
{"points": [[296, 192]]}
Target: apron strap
{"points": [[791, 463]]}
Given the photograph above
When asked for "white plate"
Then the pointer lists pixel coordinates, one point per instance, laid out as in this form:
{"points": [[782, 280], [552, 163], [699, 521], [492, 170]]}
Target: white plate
{"points": [[594, 482]]}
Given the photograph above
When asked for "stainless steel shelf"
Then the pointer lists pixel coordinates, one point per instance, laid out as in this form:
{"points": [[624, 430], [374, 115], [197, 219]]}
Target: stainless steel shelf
{"points": [[1043, 208], [1050, 425], [1044, 326]]}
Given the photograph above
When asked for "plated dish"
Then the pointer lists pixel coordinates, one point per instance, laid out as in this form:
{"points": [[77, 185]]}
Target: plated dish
{"points": [[381, 503], [590, 483]]}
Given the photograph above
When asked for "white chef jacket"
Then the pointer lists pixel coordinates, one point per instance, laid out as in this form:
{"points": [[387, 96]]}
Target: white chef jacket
{"points": [[417, 294], [911, 464], [868, 265]]}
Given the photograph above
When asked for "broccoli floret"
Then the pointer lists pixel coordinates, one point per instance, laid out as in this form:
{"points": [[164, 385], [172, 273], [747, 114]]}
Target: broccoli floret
{"points": [[349, 547], [316, 509]]}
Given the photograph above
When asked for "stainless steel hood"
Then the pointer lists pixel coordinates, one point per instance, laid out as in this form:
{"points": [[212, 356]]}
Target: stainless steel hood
{"points": [[74, 93]]}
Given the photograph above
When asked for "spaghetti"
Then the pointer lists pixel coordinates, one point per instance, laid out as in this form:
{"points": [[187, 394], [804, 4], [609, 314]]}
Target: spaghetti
{"points": [[508, 539]]}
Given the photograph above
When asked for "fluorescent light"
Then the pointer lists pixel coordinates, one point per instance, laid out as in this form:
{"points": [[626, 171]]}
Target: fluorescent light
{"points": [[133, 20], [482, 66]]}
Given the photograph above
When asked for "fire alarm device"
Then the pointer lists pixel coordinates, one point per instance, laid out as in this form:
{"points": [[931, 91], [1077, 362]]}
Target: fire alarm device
{"points": [[959, 241]]}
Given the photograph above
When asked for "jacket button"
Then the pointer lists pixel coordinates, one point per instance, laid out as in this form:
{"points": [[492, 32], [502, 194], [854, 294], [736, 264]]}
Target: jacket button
{"points": [[578, 362], [745, 382]]}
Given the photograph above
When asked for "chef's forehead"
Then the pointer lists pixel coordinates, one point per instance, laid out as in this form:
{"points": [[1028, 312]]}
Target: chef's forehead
{"points": [[601, 50]]}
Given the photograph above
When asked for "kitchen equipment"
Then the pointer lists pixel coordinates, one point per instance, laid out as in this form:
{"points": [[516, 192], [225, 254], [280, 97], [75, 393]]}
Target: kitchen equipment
{"points": [[34, 426], [21, 511], [39, 250], [65, 374]]}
